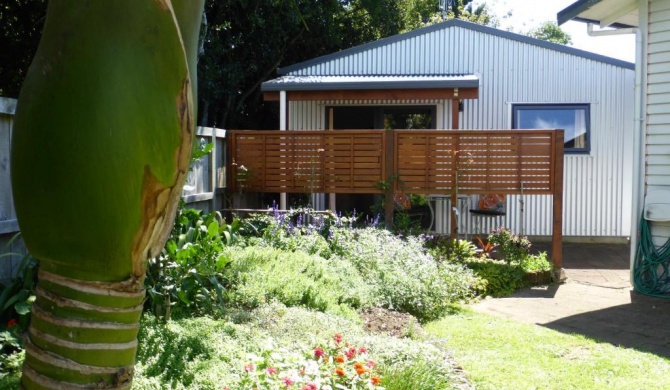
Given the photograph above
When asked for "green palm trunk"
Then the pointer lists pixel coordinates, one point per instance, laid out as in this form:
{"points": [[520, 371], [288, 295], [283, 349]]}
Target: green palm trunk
{"points": [[102, 139]]}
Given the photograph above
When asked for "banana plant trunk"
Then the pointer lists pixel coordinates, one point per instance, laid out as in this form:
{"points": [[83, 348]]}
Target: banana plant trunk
{"points": [[102, 139]]}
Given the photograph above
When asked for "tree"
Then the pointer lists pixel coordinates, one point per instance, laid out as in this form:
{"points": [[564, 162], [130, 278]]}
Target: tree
{"points": [[21, 24], [550, 31], [246, 41], [102, 138]]}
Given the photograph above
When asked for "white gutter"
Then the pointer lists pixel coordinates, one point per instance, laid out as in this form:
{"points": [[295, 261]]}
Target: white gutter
{"points": [[282, 126], [604, 33]]}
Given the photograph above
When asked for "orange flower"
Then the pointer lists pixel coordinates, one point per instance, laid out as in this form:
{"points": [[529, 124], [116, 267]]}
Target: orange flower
{"points": [[339, 359], [361, 370], [375, 380], [339, 371]]}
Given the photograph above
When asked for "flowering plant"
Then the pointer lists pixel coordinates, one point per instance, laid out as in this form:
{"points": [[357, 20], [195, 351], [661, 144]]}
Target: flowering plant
{"points": [[513, 246], [329, 366]]}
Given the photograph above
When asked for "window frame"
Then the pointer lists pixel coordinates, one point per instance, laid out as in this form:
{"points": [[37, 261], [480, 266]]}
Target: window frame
{"points": [[558, 106]]}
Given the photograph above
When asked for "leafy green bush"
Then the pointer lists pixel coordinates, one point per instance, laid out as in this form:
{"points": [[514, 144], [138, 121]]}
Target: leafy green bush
{"points": [[404, 276], [512, 246], [451, 250], [536, 263], [296, 279], [399, 272], [501, 278], [16, 299], [187, 278]]}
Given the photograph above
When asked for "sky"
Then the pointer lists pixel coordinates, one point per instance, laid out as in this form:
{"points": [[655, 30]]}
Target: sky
{"points": [[523, 15]]}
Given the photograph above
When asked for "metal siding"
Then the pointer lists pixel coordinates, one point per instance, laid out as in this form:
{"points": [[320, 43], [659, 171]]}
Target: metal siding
{"points": [[596, 195]]}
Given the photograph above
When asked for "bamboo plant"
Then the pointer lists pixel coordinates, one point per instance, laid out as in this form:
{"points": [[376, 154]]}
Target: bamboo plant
{"points": [[102, 137]]}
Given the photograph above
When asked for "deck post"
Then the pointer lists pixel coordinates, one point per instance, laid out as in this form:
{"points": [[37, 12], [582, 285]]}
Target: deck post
{"points": [[389, 163], [283, 125], [455, 105], [557, 228]]}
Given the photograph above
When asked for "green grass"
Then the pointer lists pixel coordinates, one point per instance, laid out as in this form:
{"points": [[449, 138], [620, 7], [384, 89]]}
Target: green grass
{"points": [[498, 353]]}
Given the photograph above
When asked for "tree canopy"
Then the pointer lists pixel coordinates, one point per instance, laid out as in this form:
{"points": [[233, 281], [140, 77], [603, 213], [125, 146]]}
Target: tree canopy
{"points": [[550, 31], [21, 24], [243, 42]]}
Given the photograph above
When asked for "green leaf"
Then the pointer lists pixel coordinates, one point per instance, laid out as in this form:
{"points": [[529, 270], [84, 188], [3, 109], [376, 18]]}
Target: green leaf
{"points": [[23, 308], [213, 229]]}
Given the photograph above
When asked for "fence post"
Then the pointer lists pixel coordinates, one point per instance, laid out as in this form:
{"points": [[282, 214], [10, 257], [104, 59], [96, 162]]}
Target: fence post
{"points": [[557, 229], [389, 167]]}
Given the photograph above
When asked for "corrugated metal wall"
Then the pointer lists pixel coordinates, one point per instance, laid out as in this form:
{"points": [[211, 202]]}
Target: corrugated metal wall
{"points": [[597, 195], [658, 105]]}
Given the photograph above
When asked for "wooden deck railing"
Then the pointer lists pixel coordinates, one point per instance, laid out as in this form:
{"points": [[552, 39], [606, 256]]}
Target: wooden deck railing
{"points": [[417, 161], [476, 162], [346, 161], [409, 161]]}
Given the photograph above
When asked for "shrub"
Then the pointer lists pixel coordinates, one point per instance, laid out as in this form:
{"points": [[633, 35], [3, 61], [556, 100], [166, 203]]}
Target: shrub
{"points": [[511, 245], [296, 279], [501, 278], [187, 278], [404, 276], [451, 250], [536, 263]]}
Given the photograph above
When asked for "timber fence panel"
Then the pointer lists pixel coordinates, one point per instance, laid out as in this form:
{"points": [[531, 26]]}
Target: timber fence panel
{"points": [[205, 183], [8, 222], [307, 161]]}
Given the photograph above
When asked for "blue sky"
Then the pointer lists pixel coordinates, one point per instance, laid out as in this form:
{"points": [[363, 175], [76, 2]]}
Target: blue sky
{"points": [[523, 15]]}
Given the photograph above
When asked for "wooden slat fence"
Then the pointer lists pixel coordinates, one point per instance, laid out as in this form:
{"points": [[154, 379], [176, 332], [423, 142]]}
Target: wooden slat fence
{"points": [[343, 161], [476, 162], [423, 161]]}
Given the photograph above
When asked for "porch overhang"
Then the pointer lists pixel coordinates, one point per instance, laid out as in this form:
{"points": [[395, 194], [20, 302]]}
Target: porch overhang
{"points": [[372, 87], [605, 13]]}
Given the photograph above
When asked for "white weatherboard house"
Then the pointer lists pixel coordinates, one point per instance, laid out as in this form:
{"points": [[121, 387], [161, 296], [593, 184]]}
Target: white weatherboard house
{"points": [[650, 21], [458, 75]]}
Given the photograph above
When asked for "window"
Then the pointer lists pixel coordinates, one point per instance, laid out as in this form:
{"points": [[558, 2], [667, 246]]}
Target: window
{"points": [[381, 117], [573, 118]]}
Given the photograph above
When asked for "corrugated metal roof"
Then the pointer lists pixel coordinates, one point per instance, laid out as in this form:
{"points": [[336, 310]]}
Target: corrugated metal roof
{"points": [[325, 83], [454, 23]]}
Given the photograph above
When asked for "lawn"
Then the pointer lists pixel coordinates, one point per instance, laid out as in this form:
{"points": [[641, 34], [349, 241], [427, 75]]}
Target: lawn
{"points": [[498, 353]]}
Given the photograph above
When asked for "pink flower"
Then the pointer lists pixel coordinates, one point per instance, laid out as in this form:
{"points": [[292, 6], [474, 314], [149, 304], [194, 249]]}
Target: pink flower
{"points": [[248, 367], [318, 352], [271, 370], [288, 382], [371, 363], [350, 353], [337, 338], [362, 350], [309, 386]]}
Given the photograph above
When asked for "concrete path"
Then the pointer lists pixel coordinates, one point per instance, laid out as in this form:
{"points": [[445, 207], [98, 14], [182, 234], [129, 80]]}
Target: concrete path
{"points": [[597, 301]]}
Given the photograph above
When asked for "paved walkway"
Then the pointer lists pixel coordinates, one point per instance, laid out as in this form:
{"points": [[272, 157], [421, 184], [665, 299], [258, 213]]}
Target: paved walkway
{"points": [[597, 301]]}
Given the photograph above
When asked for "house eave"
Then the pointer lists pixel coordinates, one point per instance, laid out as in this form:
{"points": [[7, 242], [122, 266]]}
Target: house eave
{"points": [[606, 13]]}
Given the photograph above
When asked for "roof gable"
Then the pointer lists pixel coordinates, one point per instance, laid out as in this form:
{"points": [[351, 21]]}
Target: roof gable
{"points": [[415, 35]]}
